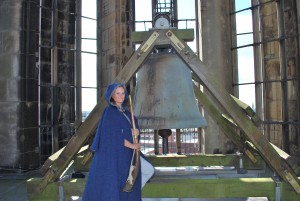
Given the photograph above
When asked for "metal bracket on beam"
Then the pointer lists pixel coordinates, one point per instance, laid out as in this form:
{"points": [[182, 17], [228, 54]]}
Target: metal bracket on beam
{"points": [[289, 177], [175, 40], [149, 42]]}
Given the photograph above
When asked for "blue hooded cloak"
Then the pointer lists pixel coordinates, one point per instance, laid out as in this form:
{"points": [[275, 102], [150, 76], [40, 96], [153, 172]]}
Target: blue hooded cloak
{"points": [[111, 162]]}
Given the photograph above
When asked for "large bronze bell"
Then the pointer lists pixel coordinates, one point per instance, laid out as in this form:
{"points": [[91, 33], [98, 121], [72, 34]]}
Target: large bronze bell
{"points": [[164, 97]]}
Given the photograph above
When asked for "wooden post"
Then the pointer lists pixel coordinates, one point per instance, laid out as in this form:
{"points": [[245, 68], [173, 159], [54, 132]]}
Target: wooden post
{"points": [[214, 86], [156, 142], [178, 141]]}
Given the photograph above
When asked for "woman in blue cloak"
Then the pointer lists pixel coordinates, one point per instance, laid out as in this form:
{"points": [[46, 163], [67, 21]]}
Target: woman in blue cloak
{"points": [[113, 149]]}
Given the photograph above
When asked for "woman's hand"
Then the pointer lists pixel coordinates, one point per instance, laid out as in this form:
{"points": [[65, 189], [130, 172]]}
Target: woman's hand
{"points": [[132, 145], [135, 132], [136, 146]]}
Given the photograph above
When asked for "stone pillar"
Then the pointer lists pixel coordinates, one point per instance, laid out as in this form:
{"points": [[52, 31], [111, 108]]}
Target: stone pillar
{"points": [[18, 85], [271, 69], [114, 37], [292, 73], [281, 72], [56, 75], [216, 54]]}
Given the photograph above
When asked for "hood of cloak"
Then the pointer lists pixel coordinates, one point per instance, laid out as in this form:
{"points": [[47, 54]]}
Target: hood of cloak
{"points": [[110, 91]]}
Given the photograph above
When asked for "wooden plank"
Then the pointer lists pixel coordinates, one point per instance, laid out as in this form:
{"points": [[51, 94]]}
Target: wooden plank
{"points": [[257, 121], [186, 35], [50, 161], [202, 188], [204, 160], [178, 188], [174, 160], [53, 157], [252, 133], [248, 110], [223, 124]]}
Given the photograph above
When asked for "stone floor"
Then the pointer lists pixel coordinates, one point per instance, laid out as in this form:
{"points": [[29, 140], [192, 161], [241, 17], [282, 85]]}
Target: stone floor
{"points": [[13, 188]]}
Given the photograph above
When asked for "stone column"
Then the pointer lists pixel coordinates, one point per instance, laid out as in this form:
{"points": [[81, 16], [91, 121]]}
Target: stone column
{"points": [[216, 54], [114, 40]]}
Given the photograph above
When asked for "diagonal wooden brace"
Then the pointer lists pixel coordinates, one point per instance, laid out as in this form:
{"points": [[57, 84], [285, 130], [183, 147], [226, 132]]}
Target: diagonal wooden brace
{"points": [[89, 126], [252, 133], [224, 124]]}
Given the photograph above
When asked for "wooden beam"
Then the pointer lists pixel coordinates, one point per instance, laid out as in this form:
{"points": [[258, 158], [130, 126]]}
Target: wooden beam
{"points": [[203, 160], [162, 187], [248, 110], [186, 35], [257, 121], [202, 188], [222, 188], [48, 163], [252, 133], [223, 124], [175, 160], [88, 127]]}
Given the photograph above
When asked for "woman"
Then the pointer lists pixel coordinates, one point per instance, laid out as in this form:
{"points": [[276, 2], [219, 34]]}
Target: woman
{"points": [[113, 148]]}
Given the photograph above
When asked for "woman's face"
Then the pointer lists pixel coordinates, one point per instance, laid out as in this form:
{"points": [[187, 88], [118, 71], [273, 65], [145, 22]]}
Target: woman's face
{"points": [[119, 96]]}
